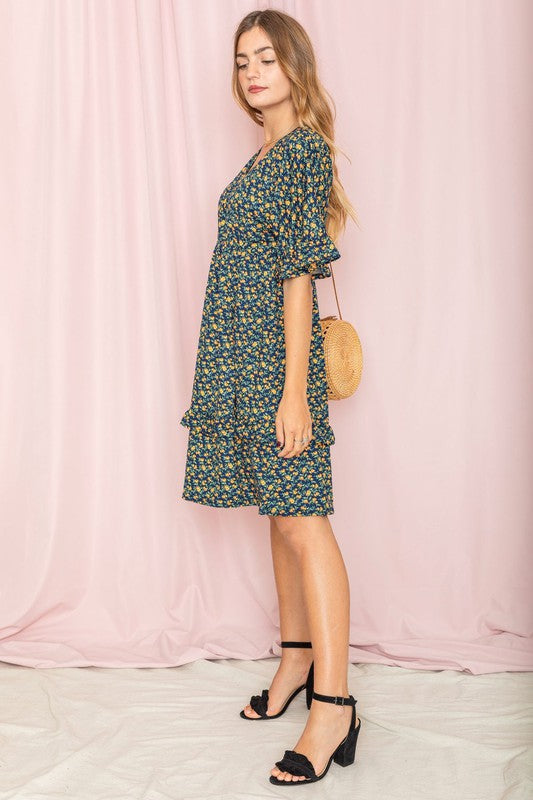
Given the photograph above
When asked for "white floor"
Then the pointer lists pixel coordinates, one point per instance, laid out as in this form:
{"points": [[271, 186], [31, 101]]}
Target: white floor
{"points": [[174, 734]]}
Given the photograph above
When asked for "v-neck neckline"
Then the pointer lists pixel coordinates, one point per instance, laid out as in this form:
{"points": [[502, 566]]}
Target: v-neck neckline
{"points": [[250, 166]]}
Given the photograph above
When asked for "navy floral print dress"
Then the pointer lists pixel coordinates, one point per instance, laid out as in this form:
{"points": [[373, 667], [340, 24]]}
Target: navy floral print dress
{"points": [[271, 226]]}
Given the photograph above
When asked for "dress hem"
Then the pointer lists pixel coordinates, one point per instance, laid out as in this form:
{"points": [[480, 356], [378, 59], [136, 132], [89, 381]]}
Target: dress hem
{"points": [[261, 510]]}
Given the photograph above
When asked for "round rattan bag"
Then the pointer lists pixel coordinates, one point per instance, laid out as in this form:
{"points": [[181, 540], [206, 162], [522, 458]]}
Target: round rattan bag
{"points": [[343, 354]]}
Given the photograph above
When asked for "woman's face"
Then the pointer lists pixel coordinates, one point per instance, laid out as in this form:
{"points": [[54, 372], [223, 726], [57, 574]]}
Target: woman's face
{"points": [[257, 66]]}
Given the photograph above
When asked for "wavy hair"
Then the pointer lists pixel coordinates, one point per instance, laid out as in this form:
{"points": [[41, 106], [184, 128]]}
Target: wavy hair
{"points": [[296, 57]]}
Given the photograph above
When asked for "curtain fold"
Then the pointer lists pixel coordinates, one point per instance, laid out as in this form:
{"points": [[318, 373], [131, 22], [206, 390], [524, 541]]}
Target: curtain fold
{"points": [[119, 133]]}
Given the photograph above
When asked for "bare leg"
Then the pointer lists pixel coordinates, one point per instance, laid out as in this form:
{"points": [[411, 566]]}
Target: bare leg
{"points": [[295, 661], [327, 600]]}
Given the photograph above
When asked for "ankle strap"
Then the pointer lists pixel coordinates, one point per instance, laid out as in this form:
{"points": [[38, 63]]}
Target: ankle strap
{"points": [[296, 644], [339, 701]]}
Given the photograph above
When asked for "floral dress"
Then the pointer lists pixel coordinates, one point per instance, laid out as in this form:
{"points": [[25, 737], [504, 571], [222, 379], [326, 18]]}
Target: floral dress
{"points": [[271, 226]]}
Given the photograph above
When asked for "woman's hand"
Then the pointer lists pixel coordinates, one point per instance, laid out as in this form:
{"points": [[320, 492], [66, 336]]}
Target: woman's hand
{"points": [[293, 422]]}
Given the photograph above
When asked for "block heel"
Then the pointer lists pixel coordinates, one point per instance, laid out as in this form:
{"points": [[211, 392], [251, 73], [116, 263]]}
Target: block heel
{"points": [[309, 686], [344, 755]]}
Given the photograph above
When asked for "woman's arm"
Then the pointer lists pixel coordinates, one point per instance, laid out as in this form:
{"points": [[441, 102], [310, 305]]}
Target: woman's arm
{"points": [[294, 420], [304, 251]]}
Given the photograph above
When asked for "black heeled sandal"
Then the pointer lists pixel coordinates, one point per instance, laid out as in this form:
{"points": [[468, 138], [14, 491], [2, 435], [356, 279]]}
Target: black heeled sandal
{"points": [[259, 703], [344, 753]]}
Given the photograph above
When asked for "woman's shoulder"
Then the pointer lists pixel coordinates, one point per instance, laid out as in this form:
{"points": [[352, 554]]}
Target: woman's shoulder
{"points": [[305, 141], [308, 150]]}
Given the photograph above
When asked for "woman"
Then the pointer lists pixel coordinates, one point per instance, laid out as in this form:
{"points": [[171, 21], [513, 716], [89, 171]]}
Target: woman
{"points": [[259, 427]]}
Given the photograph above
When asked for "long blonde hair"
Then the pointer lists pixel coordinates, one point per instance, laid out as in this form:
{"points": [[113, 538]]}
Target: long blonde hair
{"points": [[296, 57]]}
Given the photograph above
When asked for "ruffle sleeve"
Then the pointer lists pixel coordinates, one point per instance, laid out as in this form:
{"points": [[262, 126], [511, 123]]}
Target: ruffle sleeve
{"points": [[303, 244]]}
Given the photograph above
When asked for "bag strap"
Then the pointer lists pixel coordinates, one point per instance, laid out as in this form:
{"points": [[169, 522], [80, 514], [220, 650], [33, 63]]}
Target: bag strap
{"points": [[335, 290]]}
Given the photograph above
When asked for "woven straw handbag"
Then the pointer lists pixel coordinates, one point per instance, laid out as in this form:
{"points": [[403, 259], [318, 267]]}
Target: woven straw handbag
{"points": [[342, 352]]}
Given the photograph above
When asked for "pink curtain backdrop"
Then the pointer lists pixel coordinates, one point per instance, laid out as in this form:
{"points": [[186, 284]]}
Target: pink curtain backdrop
{"points": [[118, 134]]}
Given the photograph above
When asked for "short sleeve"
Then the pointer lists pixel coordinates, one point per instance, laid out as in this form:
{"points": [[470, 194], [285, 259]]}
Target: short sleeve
{"points": [[306, 176]]}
